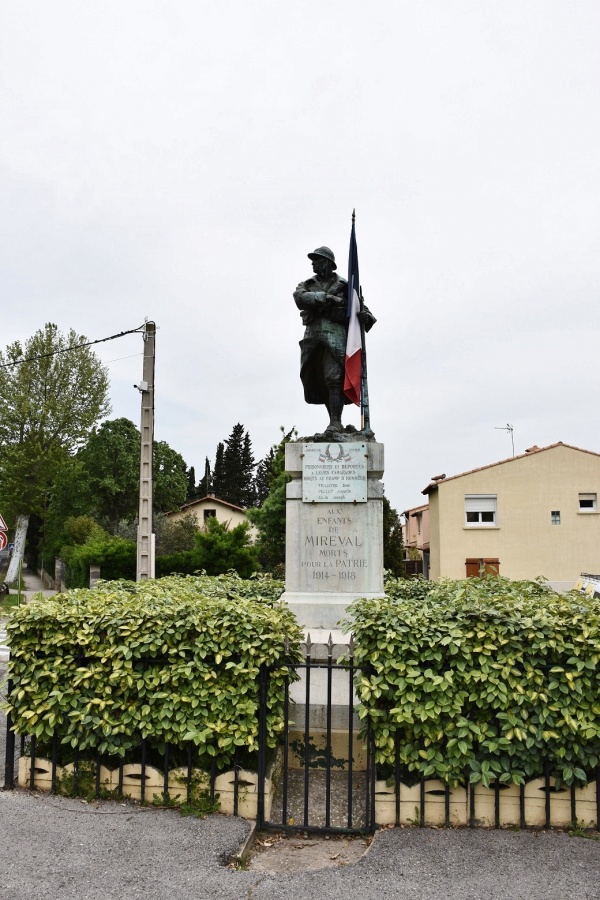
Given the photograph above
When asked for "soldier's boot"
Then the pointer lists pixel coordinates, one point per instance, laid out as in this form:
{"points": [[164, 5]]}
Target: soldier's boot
{"points": [[334, 408]]}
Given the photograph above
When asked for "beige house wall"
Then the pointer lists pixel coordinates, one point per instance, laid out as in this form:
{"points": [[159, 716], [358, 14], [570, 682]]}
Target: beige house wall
{"points": [[528, 489], [227, 515]]}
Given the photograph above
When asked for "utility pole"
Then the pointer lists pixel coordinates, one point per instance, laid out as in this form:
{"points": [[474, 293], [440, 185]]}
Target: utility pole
{"points": [[145, 540]]}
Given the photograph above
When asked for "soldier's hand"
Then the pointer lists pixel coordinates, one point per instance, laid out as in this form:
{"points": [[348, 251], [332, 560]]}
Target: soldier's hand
{"points": [[364, 317]]}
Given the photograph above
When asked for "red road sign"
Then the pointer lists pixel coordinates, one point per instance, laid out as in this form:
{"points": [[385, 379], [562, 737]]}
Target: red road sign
{"points": [[3, 540], [3, 524]]}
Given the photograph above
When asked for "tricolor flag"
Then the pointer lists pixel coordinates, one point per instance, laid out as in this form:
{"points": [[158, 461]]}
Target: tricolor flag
{"points": [[353, 366]]}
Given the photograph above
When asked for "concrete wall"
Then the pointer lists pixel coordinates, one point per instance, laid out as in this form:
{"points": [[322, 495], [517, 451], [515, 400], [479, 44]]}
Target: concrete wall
{"points": [[528, 545]]}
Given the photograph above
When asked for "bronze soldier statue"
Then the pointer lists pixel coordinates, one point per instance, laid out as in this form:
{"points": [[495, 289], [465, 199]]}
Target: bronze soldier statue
{"points": [[323, 301]]}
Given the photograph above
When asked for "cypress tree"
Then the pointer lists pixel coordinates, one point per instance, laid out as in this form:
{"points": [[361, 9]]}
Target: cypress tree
{"points": [[218, 471], [205, 483], [191, 485]]}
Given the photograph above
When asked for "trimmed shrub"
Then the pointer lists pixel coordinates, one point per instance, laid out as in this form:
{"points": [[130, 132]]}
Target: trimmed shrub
{"points": [[116, 557], [175, 660], [482, 679]]}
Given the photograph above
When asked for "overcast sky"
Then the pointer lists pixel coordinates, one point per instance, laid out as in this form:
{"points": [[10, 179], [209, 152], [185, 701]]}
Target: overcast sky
{"points": [[178, 160]]}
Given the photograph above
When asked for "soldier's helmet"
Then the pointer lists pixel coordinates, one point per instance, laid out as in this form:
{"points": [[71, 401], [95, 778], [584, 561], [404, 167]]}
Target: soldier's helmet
{"points": [[325, 253]]}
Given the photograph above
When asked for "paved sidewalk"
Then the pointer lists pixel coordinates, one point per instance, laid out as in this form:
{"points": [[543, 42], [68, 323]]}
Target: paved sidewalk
{"points": [[35, 585]]}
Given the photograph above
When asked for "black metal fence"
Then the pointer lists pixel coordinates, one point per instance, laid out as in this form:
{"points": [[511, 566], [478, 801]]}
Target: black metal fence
{"points": [[323, 777]]}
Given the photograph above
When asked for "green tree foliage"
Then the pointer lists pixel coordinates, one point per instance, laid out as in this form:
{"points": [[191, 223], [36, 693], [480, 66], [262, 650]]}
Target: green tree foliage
{"points": [[111, 471], [191, 485], [104, 478], [218, 482], [270, 517], [217, 550], [169, 478], [52, 392], [235, 483], [205, 484], [248, 491], [393, 544], [175, 537], [261, 478], [81, 530]]}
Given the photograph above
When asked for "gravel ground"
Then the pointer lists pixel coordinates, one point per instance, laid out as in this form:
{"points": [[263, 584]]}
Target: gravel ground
{"points": [[338, 813]]}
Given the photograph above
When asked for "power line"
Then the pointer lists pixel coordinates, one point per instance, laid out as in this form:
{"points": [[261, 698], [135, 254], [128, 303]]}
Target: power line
{"points": [[71, 349]]}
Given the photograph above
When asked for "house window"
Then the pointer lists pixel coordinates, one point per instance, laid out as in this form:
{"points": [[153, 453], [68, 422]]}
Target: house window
{"points": [[587, 503], [555, 516], [209, 514], [480, 509]]}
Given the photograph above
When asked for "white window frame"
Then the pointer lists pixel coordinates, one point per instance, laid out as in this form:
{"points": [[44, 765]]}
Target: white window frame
{"points": [[588, 498], [485, 507]]}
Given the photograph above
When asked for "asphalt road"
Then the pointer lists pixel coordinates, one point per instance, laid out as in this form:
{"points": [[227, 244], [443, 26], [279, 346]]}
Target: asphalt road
{"points": [[52, 847]]}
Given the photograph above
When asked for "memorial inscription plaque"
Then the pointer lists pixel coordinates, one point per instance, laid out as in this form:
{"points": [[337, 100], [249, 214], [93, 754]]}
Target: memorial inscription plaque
{"points": [[334, 535], [334, 473]]}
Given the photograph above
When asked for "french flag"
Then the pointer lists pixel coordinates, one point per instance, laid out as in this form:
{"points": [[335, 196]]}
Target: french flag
{"points": [[353, 365]]}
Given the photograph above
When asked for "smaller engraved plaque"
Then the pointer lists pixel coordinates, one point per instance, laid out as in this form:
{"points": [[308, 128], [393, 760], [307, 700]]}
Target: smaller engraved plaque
{"points": [[334, 473]]}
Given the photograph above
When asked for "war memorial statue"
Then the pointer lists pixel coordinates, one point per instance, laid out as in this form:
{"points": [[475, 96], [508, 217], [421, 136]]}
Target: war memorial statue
{"points": [[334, 531], [323, 304]]}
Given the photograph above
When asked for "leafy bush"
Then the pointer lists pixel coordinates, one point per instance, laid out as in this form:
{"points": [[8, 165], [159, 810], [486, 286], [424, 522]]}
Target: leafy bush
{"points": [[174, 660], [116, 557], [217, 550], [483, 679]]}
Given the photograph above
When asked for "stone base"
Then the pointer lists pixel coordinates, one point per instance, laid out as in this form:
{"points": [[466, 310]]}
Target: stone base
{"points": [[322, 610], [347, 435]]}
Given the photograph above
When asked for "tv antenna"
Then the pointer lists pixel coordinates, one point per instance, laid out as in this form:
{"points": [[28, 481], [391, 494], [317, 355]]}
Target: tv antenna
{"points": [[510, 430]]}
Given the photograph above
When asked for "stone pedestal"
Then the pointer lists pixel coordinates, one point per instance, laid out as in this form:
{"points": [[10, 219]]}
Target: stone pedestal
{"points": [[334, 548]]}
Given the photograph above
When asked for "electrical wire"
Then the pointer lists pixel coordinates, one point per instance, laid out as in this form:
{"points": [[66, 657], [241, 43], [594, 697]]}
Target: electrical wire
{"points": [[112, 337]]}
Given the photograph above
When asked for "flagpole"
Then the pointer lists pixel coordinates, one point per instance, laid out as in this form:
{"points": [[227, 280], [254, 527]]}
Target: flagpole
{"points": [[365, 415]]}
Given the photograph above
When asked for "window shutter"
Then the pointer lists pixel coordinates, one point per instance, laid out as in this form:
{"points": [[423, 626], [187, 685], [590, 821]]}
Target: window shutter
{"points": [[473, 567], [480, 503]]}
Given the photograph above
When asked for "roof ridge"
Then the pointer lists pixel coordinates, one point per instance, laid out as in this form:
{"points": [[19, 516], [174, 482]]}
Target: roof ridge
{"points": [[533, 451]]}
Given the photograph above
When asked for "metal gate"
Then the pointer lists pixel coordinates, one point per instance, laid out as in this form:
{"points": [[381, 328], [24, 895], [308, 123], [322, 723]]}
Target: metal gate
{"points": [[323, 777]]}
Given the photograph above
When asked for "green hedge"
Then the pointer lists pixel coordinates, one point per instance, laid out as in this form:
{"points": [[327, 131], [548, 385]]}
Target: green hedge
{"points": [[116, 557], [204, 641], [217, 550], [483, 679]]}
